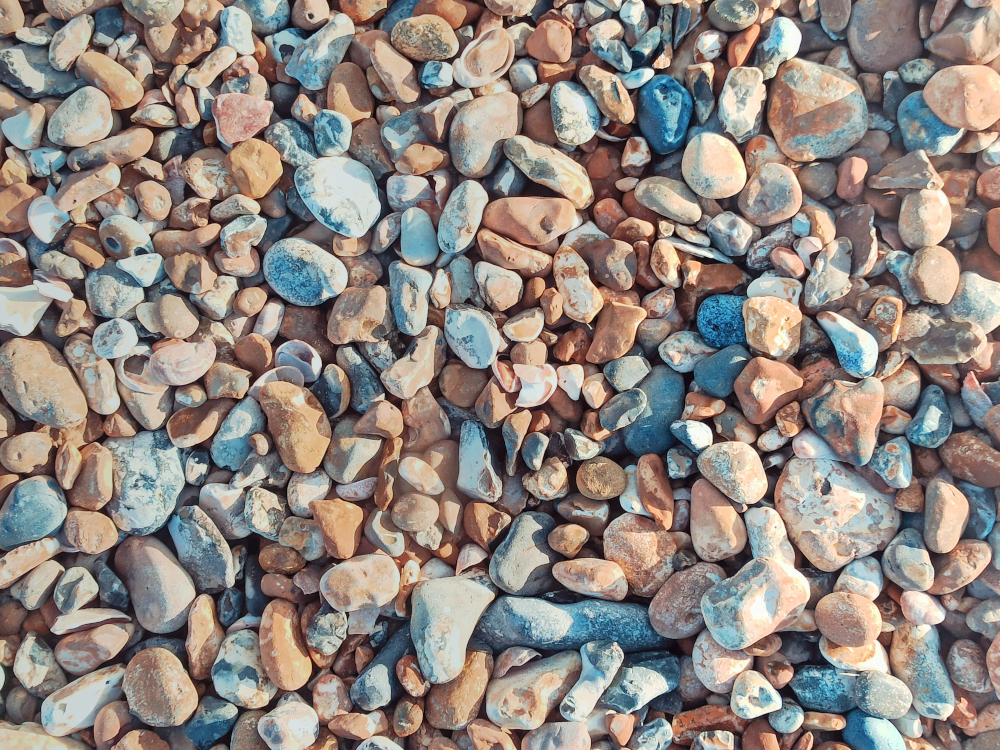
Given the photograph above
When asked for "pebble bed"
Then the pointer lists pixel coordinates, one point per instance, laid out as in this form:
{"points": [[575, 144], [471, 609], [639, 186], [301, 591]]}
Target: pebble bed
{"points": [[500, 375]]}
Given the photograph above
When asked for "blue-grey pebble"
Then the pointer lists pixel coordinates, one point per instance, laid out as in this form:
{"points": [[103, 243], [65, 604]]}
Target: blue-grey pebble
{"points": [[236, 30], [663, 113], [893, 461], [112, 293], [905, 560], [327, 630], [292, 141], [720, 320], [575, 116], [622, 409], [365, 385], [642, 678], [331, 132], [650, 432], [408, 296], [882, 695], [931, 426], [522, 563], [268, 16], [982, 510], [230, 606], [533, 449], [34, 509], [654, 735], [614, 52], [550, 626], [231, 444], [148, 476], [864, 732], [436, 74], [694, 434], [824, 688], [779, 42], [788, 718], [108, 26], [922, 129], [627, 372], [716, 375], [303, 273], [377, 686], [211, 721]]}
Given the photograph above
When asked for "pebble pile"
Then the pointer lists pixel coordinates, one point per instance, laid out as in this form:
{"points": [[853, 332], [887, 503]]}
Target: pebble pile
{"points": [[499, 375]]}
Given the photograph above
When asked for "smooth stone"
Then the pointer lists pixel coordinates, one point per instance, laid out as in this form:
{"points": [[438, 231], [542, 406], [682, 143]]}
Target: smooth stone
{"points": [[148, 481], [34, 509], [301, 273], [238, 674], [540, 624], [915, 659], [522, 564], [444, 613], [806, 495], [882, 695], [642, 678], [663, 113], [865, 732], [764, 596], [922, 129], [835, 119], [601, 661], [161, 590], [824, 688], [378, 685], [75, 707]]}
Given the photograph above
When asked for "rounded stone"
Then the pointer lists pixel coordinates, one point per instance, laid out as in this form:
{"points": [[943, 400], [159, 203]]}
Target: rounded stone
{"points": [[158, 688], [965, 96], [848, 619], [302, 273], [713, 167], [816, 112], [341, 193]]}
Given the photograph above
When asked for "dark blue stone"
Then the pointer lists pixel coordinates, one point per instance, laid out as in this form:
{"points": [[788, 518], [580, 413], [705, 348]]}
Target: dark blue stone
{"points": [[982, 511], [717, 374], [111, 590], [921, 128], [932, 423], [366, 388], [824, 689], [664, 112], [650, 433], [166, 145], [540, 624], [253, 574], [108, 26], [377, 686], [720, 320], [864, 732], [506, 181], [211, 721], [397, 12], [35, 509], [230, 606], [647, 48]]}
